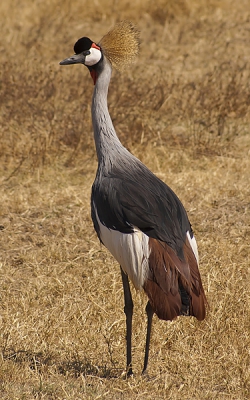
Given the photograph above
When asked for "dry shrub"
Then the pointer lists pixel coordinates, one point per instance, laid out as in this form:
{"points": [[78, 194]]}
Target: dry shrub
{"points": [[196, 106]]}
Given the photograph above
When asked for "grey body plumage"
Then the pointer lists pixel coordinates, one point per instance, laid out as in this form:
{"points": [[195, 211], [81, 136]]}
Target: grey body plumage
{"points": [[125, 192]]}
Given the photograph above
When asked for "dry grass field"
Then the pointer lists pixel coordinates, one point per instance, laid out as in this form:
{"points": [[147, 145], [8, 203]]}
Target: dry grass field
{"points": [[184, 109]]}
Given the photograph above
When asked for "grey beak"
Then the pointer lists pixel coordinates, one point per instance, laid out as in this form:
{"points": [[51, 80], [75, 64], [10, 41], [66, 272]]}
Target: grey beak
{"points": [[75, 59]]}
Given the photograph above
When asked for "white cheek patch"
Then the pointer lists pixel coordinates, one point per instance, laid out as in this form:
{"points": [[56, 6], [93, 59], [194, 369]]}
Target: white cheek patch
{"points": [[93, 58]]}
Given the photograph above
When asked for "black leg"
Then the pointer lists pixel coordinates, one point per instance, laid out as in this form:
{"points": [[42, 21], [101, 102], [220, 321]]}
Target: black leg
{"points": [[150, 314], [128, 309]]}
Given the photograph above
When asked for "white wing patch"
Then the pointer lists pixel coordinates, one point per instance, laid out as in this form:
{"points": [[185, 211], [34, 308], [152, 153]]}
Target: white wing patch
{"points": [[193, 245], [131, 250]]}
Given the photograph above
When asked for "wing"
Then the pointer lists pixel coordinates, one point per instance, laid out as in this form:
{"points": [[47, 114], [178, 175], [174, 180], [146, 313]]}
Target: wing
{"points": [[132, 196]]}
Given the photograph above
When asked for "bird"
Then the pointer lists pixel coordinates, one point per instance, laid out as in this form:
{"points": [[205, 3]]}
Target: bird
{"points": [[137, 216]]}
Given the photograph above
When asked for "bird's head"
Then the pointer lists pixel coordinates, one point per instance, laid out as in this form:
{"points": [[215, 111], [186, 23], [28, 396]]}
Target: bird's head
{"points": [[120, 46], [87, 53]]}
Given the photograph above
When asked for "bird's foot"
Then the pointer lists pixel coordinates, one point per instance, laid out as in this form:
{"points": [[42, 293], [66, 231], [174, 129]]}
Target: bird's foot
{"points": [[128, 373]]}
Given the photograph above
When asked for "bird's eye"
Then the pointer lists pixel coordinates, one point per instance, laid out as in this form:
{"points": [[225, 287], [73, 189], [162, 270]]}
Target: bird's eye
{"points": [[86, 52]]}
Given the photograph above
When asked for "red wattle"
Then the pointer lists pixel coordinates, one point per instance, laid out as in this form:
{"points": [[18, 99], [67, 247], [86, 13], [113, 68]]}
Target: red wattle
{"points": [[93, 75]]}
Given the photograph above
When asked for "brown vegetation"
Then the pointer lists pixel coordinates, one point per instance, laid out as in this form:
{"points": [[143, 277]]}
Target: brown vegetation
{"points": [[183, 109]]}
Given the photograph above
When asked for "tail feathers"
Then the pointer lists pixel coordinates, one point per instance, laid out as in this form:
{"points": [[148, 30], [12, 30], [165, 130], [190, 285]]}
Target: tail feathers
{"points": [[174, 286]]}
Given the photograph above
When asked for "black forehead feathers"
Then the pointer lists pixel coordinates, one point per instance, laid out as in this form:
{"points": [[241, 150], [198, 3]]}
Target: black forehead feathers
{"points": [[82, 44]]}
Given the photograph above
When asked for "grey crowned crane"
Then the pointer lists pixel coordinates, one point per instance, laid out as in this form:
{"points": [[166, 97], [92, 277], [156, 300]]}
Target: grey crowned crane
{"points": [[136, 215]]}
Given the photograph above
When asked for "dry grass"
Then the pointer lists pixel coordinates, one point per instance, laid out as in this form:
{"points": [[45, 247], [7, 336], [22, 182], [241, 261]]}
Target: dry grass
{"points": [[183, 108]]}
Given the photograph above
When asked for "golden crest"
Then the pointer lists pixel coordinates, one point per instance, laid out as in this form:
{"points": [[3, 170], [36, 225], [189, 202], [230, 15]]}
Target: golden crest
{"points": [[121, 44]]}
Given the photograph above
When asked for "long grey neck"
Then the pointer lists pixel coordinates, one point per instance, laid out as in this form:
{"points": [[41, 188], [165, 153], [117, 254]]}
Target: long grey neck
{"points": [[106, 140]]}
